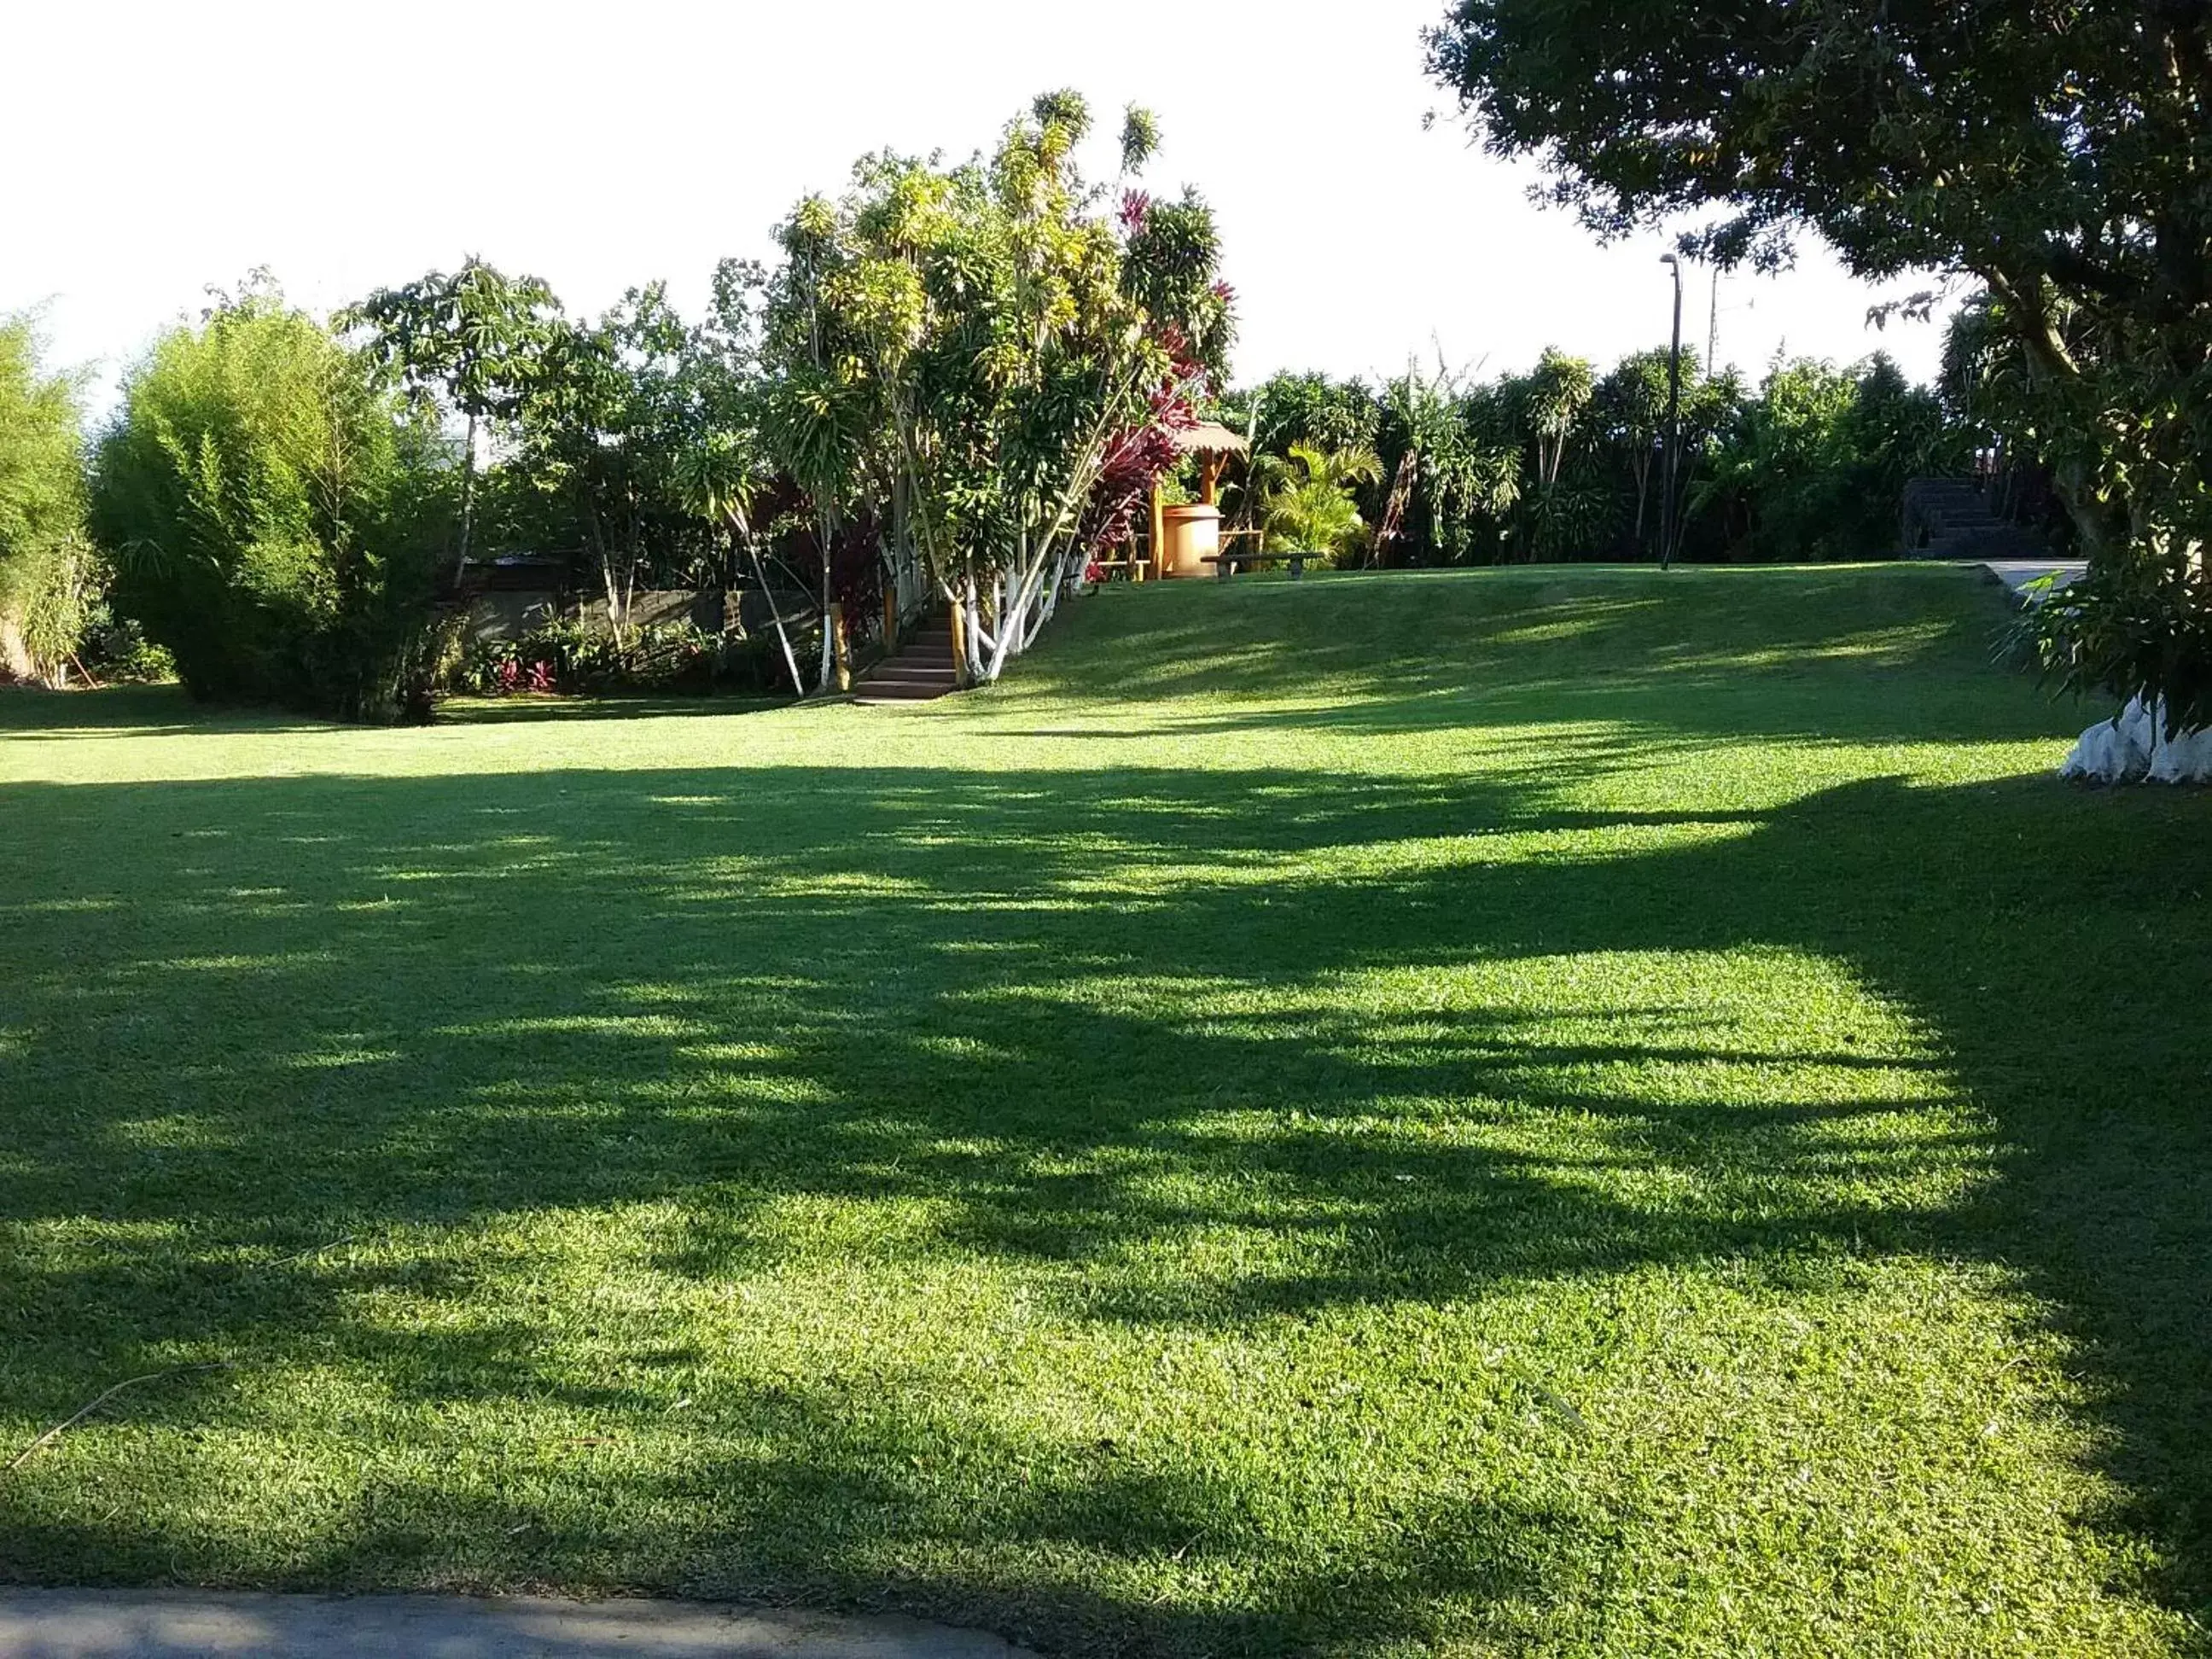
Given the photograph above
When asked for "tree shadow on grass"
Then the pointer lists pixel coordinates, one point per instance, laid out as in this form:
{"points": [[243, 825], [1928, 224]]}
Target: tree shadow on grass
{"points": [[539, 710], [1081, 1026], [28, 715], [1822, 654]]}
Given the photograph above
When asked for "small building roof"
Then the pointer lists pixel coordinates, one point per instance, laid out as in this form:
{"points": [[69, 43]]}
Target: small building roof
{"points": [[1210, 438]]}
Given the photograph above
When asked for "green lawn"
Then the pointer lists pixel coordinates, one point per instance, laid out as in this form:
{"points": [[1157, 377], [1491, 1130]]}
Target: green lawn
{"points": [[1536, 1112]]}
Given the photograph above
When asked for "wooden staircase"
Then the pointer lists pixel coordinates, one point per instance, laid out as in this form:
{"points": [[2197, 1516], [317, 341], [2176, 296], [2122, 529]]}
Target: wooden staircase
{"points": [[920, 669]]}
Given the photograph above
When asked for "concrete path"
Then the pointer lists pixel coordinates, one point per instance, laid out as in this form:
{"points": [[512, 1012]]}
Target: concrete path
{"points": [[2017, 573], [208, 1624]]}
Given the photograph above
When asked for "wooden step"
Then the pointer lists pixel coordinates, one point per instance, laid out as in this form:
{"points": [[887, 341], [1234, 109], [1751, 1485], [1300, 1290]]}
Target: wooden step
{"points": [[911, 679], [923, 669], [899, 691]]}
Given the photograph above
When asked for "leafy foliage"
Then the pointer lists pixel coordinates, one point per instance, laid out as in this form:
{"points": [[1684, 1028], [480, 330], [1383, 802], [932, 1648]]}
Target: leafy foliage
{"points": [[278, 523], [1563, 463], [603, 423], [571, 656], [470, 342], [1310, 505], [983, 360], [49, 576], [2055, 154], [1815, 466]]}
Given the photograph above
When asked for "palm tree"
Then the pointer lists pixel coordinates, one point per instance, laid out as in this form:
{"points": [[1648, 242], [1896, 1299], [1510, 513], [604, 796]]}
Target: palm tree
{"points": [[1308, 508]]}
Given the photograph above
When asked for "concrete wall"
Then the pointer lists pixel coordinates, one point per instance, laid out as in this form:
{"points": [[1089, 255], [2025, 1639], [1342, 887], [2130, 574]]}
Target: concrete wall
{"points": [[510, 616], [661, 609]]}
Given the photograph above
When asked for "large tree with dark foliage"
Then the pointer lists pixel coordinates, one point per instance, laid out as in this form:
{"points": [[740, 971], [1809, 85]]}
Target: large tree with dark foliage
{"points": [[2056, 150]]}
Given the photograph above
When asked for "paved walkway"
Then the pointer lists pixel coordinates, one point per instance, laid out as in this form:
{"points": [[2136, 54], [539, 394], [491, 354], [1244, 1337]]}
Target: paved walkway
{"points": [[203, 1625], [2017, 573]]}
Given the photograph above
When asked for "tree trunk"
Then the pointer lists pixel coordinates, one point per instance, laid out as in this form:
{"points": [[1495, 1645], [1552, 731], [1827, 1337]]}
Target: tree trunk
{"points": [[1394, 512], [974, 631], [829, 646], [15, 661], [783, 636], [469, 488]]}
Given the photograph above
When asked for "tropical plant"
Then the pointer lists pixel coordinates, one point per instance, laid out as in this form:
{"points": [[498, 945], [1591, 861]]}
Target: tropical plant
{"points": [[975, 356], [49, 576], [470, 342], [603, 422], [1554, 398], [1309, 504], [277, 522], [1816, 465], [1630, 405], [1452, 470]]}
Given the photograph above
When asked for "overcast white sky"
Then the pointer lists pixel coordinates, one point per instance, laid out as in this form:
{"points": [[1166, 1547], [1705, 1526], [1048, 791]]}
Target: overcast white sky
{"points": [[157, 147]]}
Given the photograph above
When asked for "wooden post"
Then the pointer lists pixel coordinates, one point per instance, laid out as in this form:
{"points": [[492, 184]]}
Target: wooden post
{"points": [[959, 645], [1209, 481], [1159, 548], [842, 643], [890, 617]]}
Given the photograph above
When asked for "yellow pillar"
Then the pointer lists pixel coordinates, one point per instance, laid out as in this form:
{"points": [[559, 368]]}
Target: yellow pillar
{"points": [[1158, 549]]}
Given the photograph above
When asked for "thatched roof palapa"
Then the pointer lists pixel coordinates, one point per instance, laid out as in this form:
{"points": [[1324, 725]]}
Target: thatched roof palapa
{"points": [[1210, 438]]}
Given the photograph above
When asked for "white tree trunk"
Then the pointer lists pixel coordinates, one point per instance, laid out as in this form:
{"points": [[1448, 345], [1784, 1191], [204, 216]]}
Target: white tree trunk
{"points": [[828, 644], [782, 634]]}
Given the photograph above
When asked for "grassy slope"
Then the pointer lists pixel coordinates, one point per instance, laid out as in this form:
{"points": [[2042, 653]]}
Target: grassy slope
{"points": [[1535, 1113]]}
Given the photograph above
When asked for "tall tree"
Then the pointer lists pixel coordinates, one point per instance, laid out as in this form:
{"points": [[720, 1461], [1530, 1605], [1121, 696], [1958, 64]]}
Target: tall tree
{"points": [[603, 419], [979, 352], [1630, 405], [470, 342]]}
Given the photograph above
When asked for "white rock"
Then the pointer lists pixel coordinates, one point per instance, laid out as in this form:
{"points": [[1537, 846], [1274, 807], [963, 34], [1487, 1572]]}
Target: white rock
{"points": [[2187, 759], [2132, 746]]}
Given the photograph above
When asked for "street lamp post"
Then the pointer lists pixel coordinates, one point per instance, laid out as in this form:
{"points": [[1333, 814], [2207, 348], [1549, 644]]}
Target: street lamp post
{"points": [[1667, 519]]}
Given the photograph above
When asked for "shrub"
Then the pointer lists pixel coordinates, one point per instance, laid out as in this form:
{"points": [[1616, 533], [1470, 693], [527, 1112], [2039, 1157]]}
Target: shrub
{"points": [[277, 524], [569, 656]]}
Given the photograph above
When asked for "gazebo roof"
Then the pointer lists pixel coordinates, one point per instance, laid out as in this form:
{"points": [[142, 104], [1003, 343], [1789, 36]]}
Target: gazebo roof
{"points": [[1210, 438]]}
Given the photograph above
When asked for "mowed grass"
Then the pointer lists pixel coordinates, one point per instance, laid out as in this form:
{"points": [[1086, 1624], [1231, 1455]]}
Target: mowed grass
{"points": [[1531, 1113]]}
